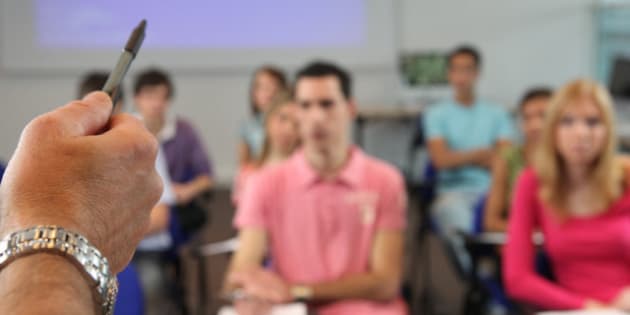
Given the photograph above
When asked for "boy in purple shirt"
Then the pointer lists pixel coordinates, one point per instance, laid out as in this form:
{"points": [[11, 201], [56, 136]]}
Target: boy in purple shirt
{"points": [[188, 163]]}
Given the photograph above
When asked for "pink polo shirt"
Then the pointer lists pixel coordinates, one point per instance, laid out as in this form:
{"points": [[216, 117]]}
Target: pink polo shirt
{"points": [[322, 230]]}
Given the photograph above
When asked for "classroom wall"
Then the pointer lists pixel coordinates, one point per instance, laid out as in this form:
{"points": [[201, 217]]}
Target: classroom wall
{"points": [[524, 43]]}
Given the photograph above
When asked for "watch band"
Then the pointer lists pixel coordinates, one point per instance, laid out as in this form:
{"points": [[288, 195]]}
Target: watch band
{"points": [[57, 240], [301, 293]]}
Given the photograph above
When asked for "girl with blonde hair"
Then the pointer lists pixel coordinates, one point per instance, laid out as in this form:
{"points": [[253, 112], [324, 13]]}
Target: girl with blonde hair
{"points": [[281, 140], [577, 194]]}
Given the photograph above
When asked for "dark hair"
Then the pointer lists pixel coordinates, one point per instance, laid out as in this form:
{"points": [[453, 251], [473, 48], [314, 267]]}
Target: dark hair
{"points": [[465, 50], [153, 77], [320, 69], [93, 81], [534, 93], [276, 73]]}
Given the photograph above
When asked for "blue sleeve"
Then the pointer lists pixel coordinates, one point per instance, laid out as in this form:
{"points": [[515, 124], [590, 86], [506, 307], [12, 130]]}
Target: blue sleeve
{"points": [[432, 124], [505, 127]]}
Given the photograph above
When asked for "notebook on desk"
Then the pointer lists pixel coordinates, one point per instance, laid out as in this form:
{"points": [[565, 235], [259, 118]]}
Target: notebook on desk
{"points": [[288, 309], [585, 312]]}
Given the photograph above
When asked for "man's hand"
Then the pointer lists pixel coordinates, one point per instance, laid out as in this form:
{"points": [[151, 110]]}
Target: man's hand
{"points": [[260, 284], [70, 169]]}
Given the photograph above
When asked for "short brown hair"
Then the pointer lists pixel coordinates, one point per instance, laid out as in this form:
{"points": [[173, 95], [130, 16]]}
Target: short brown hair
{"points": [[153, 77]]}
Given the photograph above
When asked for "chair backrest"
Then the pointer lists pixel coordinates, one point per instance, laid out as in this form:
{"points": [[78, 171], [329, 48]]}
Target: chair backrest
{"points": [[479, 213], [130, 299]]}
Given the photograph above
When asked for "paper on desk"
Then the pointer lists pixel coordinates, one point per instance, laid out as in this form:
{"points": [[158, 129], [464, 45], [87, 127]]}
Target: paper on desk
{"points": [[585, 312], [287, 309]]}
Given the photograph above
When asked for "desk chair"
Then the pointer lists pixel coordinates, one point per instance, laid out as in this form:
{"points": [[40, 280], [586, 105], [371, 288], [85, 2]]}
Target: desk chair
{"points": [[483, 288]]}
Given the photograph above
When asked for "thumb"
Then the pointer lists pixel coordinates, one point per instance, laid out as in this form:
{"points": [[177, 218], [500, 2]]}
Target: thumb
{"points": [[85, 117]]}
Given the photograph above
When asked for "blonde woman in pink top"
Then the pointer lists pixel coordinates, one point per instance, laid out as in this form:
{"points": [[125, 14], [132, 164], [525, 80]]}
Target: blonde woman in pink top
{"points": [[578, 195], [281, 140]]}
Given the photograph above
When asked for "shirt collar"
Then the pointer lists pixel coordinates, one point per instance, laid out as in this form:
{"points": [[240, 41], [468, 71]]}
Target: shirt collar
{"points": [[350, 174], [169, 129]]}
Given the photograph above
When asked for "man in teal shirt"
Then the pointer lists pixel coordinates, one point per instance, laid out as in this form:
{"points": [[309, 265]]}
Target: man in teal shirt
{"points": [[464, 133]]}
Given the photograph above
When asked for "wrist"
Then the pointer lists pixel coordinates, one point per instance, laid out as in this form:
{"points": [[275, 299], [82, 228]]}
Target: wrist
{"points": [[301, 293], [73, 248], [57, 279], [29, 217]]}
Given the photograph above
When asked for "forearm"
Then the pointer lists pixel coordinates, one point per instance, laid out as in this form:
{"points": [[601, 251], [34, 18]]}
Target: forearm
{"points": [[495, 224], [494, 220], [200, 184], [451, 159], [362, 286], [158, 221], [244, 156], [45, 284], [249, 255]]}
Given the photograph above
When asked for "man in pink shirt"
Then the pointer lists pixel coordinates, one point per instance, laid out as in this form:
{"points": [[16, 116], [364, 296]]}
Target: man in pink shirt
{"points": [[330, 219]]}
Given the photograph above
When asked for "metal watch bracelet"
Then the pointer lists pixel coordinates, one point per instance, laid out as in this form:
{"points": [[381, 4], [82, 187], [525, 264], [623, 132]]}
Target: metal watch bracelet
{"points": [[57, 240]]}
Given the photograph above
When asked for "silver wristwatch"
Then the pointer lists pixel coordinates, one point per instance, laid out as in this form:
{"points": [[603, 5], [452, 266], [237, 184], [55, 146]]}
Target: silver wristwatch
{"points": [[69, 244]]}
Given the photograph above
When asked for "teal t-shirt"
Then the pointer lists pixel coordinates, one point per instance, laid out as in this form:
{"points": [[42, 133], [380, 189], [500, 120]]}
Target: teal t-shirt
{"points": [[463, 128]]}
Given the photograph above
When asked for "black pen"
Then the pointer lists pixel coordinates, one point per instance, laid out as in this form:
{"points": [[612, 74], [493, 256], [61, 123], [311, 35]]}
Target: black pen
{"points": [[124, 61]]}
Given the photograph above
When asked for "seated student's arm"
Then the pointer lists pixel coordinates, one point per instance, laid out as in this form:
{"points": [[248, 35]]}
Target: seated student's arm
{"points": [[496, 202], [444, 158], [187, 191], [252, 247], [201, 166], [380, 283], [161, 212], [244, 154], [521, 280], [158, 221]]}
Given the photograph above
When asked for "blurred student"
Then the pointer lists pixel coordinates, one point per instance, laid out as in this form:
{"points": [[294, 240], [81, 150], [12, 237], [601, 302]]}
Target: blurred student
{"points": [[281, 140], [464, 134], [158, 223], [509, 163], [188, 163], [577, 193], [266, 83], [152, 95], [331, 218]]}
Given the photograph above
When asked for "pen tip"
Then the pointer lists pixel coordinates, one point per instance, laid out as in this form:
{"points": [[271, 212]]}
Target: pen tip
{"points": [[143, 23]]}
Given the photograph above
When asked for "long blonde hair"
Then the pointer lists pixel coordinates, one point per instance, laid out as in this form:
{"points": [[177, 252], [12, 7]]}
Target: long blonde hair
{"points": [[606, 172], [278, 102]]}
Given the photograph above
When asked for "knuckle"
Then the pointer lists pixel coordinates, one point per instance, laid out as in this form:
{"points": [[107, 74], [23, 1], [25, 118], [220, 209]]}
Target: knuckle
{"points": [[144, 146], [43, 124]]}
